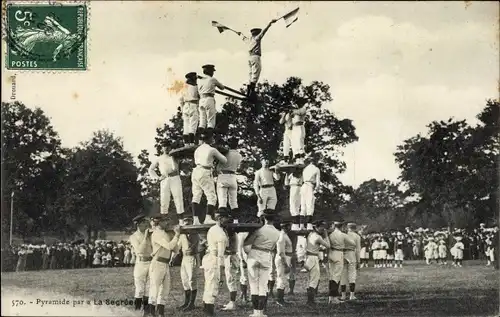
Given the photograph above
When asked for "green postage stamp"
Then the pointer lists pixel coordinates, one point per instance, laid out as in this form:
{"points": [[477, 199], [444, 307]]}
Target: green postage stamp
{"points": [[46, 36]]}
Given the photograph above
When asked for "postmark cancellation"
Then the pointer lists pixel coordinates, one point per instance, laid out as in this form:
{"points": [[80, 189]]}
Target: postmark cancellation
{"points": [[46, 35]]}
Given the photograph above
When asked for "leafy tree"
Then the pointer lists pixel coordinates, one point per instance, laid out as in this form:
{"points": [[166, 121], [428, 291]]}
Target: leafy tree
{"points": [[101, 188], [31, 159], [454, 166], [376, 203], [260, 133]]}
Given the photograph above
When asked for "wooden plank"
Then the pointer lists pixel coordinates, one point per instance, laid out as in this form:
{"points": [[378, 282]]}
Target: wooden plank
{"points": [[287, 168], [238, 227], [183, 152]]}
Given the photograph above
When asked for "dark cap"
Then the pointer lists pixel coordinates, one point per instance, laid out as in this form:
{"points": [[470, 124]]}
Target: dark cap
{"points": [[158, 216], [222, 212], [187, 216], [139, 218], [285, 222], [191, 75], [269, 214], [208, 66], [319, 222], [255, 30]]}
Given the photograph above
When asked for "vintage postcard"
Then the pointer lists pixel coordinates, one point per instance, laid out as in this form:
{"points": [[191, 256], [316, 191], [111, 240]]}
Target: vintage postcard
{"points": [[230, 158]]}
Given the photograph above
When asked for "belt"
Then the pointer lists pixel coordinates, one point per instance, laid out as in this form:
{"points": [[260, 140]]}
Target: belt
{"points": [[289, 253], [191, 101], [266, 186], [255, 55], [205, 167], [229, 253], [162, 260], [312, 253], [335, 249], [299, 123], [145, 258], [176, 173], [262, 249], [347, 250], [227, 172], [207, 95], [310, 182]]}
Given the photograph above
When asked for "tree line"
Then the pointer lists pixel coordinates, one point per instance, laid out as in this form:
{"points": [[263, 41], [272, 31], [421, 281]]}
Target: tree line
{"points": [[448, 175]]}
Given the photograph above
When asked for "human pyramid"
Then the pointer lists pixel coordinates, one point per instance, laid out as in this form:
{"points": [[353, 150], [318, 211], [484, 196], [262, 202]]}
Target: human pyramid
{"points": [[266, 249], [199, 121]]}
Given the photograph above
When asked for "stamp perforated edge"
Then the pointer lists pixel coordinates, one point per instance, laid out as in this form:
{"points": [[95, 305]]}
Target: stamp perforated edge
{"points": [[45, 70]]}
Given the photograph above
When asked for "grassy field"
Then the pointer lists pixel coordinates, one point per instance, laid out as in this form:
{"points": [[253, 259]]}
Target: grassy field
{"points": [[414, 290]]}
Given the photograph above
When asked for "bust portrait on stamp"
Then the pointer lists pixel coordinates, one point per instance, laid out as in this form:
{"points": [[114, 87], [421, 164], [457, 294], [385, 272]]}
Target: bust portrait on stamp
{"points": [[46, 36]]}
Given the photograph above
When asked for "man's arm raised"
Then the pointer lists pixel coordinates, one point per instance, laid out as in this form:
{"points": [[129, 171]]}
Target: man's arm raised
{"points": [[261, 34]]}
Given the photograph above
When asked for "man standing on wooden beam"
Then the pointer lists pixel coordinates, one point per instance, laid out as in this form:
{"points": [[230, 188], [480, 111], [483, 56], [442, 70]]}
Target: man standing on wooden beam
{"points": [[206, 89], [264, 188], [170, 182], [189, 107], [203, 181]]}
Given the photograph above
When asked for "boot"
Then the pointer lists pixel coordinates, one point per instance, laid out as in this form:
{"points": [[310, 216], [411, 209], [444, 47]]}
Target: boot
{"points": [[192, 299], [138, 303], [185, 138], [235, 213], [310, 297], [145, 303], [187, 294], [192, 139], [250, 90], [210, 133], [281, 297], [291, 285], [210, 213], [151, 311], [195, 207], [244, 295], [209, 310], [270, 287], [160, 310]]}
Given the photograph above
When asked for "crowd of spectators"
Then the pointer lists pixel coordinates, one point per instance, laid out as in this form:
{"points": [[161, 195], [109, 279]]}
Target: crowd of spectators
{"points": [[478, 242], [31, 257]]}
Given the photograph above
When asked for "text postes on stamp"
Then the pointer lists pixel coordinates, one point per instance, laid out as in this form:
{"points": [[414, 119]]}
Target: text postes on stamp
{"points": [[46, 37]]}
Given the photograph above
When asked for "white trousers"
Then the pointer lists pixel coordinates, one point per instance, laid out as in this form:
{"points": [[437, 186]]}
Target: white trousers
{"points": [[255, 66], [203, 183], [141, 279], [190, 118], [287, 140], [259, 268], [159, 290], [281, 276], [298, 136], [208, 112], [335, 265], [399, 256], [349, 273], [227, 188], [231, 269], [212, 278], [312, 265], [269, 199], [307, 199], [189, 268], [295, 200], [171, 186]]}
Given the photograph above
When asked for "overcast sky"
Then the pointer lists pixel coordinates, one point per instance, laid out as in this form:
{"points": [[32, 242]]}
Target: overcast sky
{"points": [[392, 67]]}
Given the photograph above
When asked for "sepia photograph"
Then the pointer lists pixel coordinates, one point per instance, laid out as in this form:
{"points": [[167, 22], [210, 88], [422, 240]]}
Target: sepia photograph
{"points": [[250, 158]]}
